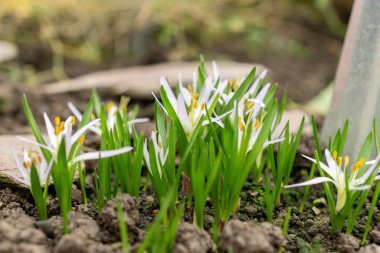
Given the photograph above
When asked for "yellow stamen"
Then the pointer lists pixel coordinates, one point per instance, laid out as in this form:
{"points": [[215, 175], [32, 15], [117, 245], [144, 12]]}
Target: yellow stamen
{"points": [[339, 161], [26, 165], [195, 95], [195, 103], [57, 131], [61, 126], [361, 161], [73, 120], [236, 86], [230, 83], [109, 106], [241, 124], [346, 160], [250, 105], [257, 124], [203, 106], [35, 160], [190, 88], [57, 121], [81, 139], [159, 144], [125, 108], [39, 159], [93, 116], [335, 154], [355, 167]]}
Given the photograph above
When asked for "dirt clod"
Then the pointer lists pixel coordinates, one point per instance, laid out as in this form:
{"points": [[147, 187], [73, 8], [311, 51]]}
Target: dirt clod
{"points": [[375, 235], [372, 248], [249, 237], [193, 239], [347, 243], [109, 223], [18, 234]]}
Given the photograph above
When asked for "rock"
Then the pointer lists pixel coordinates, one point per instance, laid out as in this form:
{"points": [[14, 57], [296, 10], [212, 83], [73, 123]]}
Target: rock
{"points": [[109, 223], [190, 238], [8, 51], [71, 243], [239, 236], [80, 225], [375, 235], [347, 243], [372, 248], [8, 169], [18, 234], [140, 81]]}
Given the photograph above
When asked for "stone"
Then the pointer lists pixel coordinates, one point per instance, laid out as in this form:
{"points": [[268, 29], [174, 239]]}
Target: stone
{"points": [[8, 169], [372, 248], [18, 234], [140, 81], [191, 238], [375, 235], [239, 236], [109, 223], [347, 244], [8, 51]]}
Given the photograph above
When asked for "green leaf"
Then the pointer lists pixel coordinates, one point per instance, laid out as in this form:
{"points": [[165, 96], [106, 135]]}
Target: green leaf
{"points": [[35, 129], [37, 193], [239, 93]]}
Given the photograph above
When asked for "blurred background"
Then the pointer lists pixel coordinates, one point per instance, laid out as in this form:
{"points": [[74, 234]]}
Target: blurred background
{"points": [[50, 40]]}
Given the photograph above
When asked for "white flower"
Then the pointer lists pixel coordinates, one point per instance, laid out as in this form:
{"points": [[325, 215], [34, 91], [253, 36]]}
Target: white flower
{"points": [[227, 94], [337, 176], [159, 152], [246, 109], [63, 130], [189, 116], [43, 169], [111, 118]]}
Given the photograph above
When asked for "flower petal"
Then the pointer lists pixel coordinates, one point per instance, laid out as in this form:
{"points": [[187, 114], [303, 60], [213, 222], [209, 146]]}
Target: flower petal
{"points": [[50, 131], [161, 105], [326, 168], [101, 154], [169, 92], [257, 81], [215, 70], [182, 115], [360, 188], [372, 169], [35, 143], [313, 181], [75, 111], [83, 129], [138, 121]]}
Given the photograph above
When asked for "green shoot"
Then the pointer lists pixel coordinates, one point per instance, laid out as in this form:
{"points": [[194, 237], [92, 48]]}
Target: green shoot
{"points": [[123, 228]]}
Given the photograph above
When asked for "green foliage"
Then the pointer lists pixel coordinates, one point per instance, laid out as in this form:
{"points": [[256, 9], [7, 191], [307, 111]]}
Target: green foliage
{"points": [[281, 167], [37, 193]]}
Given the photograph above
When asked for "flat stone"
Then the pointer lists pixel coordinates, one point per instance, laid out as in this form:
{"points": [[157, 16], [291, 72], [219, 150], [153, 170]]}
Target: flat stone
{"points": [[295, 117], [8, 169], [140, 81], [8, 51]]}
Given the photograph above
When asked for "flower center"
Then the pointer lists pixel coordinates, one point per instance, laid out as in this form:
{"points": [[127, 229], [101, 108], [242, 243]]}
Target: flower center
{"points": [[60, 125], [110, 106]]}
